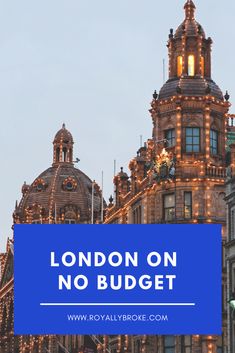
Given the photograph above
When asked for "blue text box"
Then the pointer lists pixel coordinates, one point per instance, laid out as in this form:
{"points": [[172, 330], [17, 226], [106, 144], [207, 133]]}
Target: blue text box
{"points": [[169, 280]]}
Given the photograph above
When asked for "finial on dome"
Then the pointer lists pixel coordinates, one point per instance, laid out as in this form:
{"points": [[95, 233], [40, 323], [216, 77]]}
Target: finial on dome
{"points": [[63, 126], [189, 9]]}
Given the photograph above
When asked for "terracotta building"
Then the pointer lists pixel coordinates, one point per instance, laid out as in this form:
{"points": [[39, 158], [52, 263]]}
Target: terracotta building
{"points": [[61, 194], [178, 176], [230, 246]]}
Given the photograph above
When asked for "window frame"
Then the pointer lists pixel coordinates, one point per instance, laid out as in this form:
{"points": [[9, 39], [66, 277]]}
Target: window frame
{"points": [[190, 206], [187, 346], [214, 150], [192, 136], [169, 348], [171, 141], [137, 214], [69, 221], [179, 65], [165, 209], [231, 215], [191, 66]]}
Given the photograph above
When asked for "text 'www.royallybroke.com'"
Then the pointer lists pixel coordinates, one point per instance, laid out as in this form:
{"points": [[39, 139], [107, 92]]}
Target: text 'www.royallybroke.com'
{"points": [[117, 318]]}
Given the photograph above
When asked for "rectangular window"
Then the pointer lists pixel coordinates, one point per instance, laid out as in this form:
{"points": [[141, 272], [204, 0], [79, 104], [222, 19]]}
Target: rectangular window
{"points": [[214, 142], [233, 280], [137, 345], [170, 137], [169, 207], [187, 344], [169, 344], [219, 345], [192, 139], [187, 205], [137, 215], [232, 224], [191, 65]]}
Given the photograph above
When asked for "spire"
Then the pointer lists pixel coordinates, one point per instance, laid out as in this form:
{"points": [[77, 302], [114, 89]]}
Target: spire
{"points": [[189, 9]]}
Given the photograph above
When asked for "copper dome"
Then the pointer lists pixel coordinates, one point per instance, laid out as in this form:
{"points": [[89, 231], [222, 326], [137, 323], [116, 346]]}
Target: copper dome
{"points": [[190, 86], [61, 194], [63, 135]]}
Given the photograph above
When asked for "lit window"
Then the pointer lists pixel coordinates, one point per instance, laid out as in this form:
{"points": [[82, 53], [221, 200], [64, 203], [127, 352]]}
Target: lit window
{"points": [[169, 207], [170, 137], [169, 344], [192, 139], [191, 65], [179, 65], [214, 142], [202, 65], [187, 205]]}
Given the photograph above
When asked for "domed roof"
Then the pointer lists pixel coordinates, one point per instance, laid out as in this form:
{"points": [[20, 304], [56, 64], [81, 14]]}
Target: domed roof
{"points": [[122, 174], [190, 86], [61, 193], [190, 27], [58, 190], [63, 136]]}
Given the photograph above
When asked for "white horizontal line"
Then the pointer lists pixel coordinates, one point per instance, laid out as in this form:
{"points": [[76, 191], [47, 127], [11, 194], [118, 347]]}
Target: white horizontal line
{"points": [[117, 304]]}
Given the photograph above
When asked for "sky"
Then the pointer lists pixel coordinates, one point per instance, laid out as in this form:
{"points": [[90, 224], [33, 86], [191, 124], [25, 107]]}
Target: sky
{"points": [[92, 65]]}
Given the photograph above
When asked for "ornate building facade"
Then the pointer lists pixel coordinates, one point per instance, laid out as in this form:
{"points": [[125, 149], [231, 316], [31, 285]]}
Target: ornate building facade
{"points": [[61, 194], [230, 245], [230, 249], [179, 174]]}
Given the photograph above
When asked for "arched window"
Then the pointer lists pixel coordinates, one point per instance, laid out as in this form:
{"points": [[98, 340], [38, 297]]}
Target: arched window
{"points": [[179, 65], [191, 65], [202, 65]]}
